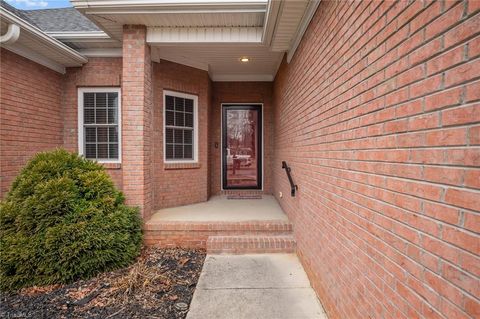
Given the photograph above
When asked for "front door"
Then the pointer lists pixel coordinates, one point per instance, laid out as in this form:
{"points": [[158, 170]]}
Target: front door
{"points": [[242, 146]]}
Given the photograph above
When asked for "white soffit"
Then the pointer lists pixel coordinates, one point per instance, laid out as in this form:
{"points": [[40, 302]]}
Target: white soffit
{"points": [[222, 61], [156, 35]]}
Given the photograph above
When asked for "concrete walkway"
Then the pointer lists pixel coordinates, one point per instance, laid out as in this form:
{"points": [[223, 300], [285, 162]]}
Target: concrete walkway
{"points": [[263, 286]]}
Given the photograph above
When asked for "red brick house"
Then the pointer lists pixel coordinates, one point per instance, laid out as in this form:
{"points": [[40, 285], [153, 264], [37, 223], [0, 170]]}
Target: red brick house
{"points": [[373, 106]]}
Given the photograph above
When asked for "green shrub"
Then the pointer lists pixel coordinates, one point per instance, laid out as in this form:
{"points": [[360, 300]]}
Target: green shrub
{"points": [[64, 220]]}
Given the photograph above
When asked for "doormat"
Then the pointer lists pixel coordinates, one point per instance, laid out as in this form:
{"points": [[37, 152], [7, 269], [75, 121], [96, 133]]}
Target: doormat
{"points": [[244, 196]]}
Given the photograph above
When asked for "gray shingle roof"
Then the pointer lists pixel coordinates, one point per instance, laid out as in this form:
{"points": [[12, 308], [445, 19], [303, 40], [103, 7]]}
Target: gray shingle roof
{"points": [[54, 20], [19, 13]]}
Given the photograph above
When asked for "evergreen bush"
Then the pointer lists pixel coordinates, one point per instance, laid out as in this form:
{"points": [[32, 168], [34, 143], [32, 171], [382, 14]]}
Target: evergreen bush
{"points": [[64, 220]]}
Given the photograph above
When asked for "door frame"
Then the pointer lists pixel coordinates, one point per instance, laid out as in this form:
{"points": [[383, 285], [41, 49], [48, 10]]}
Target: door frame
{"points": [[260, 159]]}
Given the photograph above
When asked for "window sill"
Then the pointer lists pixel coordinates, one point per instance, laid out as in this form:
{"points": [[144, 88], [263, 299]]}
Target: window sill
{"points": [[111, 165], [168, 166]]}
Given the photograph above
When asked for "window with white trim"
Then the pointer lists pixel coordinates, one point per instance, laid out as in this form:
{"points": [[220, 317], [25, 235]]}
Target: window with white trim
{"points": [[99, 124], [180, 123]]}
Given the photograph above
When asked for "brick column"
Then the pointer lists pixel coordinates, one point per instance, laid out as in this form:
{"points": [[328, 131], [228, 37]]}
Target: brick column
{"points": [[137, 109]]}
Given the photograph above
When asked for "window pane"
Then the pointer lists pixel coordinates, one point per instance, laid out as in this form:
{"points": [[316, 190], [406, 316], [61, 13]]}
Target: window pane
{"points": [[102, 151], [91, 151], [89, 116], [112, 116], [169, 135], [169, 103], [179, 141], [90, 135], [169, 151], [102, 134], [179, 119], [178, 136], [89, 99], [113, 134], [187, 136], [189, 119], [189, 105], [101, 141], [179, 104], [113, 149], [178, 149], [188, 151], [100, 100], [113, 100], [101, 116], [169, 118]]}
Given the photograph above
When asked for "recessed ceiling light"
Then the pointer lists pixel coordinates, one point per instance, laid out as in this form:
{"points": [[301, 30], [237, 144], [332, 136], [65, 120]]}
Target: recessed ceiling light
{"points": [[244, 59]]}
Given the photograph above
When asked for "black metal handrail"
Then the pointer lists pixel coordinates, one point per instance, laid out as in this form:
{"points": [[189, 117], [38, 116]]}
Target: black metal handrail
{"points": [[293, 186]]}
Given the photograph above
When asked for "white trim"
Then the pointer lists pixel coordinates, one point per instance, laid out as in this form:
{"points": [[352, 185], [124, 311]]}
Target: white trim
{"points": [[157, 57], [236, 35], [102, 52], [12, 34], [270, 21], [302, 27], [43, 37], [242, 78], [195, 127], [149, 6], [35, 57], [221, 146], [79, 35], [80, 128]]}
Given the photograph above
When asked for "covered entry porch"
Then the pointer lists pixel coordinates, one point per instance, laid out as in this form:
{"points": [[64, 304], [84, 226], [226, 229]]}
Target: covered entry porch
{"points": [[223, 225]]}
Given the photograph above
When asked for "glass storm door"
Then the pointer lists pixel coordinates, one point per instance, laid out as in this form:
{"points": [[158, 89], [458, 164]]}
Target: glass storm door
{"points": [[242, 146]]}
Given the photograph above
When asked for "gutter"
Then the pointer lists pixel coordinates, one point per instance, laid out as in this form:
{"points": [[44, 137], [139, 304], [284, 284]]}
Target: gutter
{"points": [[11, 36], [42, 37], [177, 6]]}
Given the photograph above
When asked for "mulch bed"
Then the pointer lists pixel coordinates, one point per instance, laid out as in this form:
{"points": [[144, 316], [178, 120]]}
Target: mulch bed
{"points": [[159, 285]]}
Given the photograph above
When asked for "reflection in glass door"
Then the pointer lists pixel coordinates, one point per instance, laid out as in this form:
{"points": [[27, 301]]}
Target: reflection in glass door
{"points": [[242, 146]]}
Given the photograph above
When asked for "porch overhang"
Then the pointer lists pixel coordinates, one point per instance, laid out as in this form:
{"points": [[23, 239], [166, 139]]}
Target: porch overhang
{"points": [[212, 35]]}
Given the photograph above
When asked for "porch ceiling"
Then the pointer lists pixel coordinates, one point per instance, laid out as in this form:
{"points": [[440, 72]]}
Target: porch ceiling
{"points": [[212, 35]]}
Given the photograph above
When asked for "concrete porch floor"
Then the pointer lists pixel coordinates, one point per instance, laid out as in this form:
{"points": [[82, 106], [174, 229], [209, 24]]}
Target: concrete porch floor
{"points": [[219, 208]]}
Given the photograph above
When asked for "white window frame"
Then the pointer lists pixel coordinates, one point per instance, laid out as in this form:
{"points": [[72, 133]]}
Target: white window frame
{"points": [[195, 127], [81, 127]]}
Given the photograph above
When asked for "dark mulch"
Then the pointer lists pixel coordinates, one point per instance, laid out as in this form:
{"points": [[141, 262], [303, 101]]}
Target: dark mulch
{"points": [[154, 287]]}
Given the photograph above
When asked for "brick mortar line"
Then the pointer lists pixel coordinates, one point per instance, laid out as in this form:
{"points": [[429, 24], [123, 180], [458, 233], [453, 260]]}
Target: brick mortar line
{"points": [[420, 232], [467, 125], [439, 129], [352, 252], [393, 106], [386, 66], [395, 249], [422, 181]]}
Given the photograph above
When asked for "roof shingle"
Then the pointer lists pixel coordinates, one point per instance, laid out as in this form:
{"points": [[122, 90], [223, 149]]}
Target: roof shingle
{"points": [[54, 20]]}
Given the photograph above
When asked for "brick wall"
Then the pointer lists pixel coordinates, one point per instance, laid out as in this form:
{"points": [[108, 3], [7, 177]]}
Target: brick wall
{"points": [[98, 72], [30, 113], [378, 116], [137, 119], [180, 184], [240, 92]]}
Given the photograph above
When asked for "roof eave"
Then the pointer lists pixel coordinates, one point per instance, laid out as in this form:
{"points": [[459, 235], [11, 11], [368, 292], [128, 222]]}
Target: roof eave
{"points": [[133, 5], [41, 36]]}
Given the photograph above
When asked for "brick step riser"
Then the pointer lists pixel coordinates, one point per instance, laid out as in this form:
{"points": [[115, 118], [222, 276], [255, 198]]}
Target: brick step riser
{"points": [[196, 239], [250, 244]]}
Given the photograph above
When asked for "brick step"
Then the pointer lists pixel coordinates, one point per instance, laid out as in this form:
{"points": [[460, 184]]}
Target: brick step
{"points": [[195, 234], [250, 244]]}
